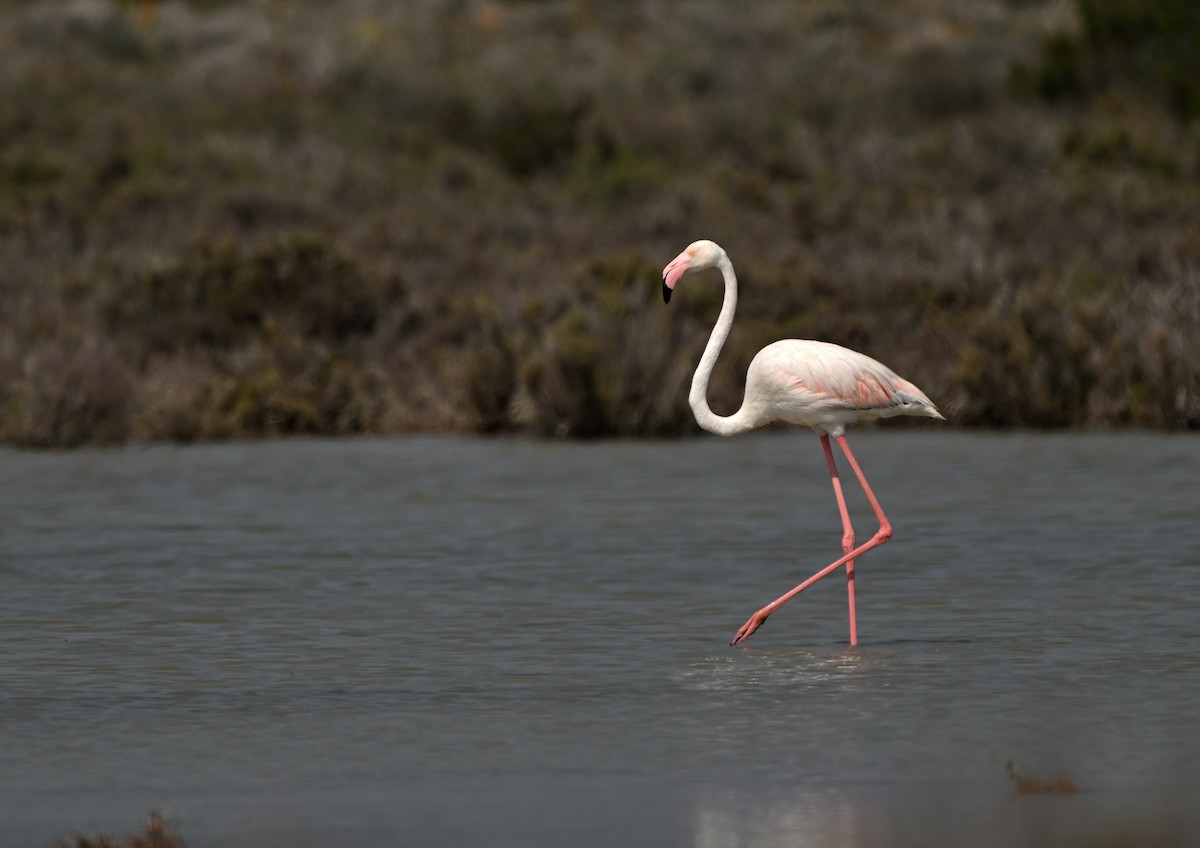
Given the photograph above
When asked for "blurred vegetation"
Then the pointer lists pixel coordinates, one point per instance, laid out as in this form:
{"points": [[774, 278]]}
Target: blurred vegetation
{"points": [[227, 219], [1147, 44], [156, 832]]}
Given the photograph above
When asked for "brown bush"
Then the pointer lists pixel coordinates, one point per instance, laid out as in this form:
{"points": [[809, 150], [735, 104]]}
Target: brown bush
{"points": [[224, 220]]}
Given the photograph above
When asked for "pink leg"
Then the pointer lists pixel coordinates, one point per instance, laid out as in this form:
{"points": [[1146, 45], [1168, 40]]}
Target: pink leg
{"points": [[847, 535], [881, 535]]}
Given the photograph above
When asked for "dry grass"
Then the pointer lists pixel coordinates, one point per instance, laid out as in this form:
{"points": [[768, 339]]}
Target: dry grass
{"points": [[229, 219], [156, 833]]}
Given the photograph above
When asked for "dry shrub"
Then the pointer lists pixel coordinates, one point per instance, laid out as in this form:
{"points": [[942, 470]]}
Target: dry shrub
{"points": [[156, 833], [223, 219], [224, 294], [489, 371], [603, 361], [1102, 354], [73, 394]]}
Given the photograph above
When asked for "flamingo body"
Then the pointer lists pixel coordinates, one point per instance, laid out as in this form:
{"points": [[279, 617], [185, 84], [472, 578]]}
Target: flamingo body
{"points": [[827, 387], [810, 383]]}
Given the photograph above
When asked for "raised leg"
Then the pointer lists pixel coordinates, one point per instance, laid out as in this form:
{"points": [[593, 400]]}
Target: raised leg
{"points": [[847, 534], [881, 535]]}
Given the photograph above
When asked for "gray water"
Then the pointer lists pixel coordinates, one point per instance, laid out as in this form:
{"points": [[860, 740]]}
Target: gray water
{"points": [[453, 642]]}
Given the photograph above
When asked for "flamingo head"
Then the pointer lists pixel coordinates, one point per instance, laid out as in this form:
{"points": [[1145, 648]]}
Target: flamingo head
{"points": [[695, 257]]}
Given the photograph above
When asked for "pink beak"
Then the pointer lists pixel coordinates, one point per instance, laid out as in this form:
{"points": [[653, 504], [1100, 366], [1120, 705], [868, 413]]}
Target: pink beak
{"points": [[671, 274]]}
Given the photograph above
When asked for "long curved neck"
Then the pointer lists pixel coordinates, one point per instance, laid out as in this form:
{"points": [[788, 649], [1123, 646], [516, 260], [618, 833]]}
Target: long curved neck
{"points": [[722, 425]]}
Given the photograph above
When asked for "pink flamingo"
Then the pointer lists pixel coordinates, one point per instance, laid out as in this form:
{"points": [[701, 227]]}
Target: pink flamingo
{"points": [[815, 384]]}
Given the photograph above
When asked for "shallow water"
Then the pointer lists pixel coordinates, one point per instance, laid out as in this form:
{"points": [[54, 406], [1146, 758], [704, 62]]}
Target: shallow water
{"points": [[500, 642]]}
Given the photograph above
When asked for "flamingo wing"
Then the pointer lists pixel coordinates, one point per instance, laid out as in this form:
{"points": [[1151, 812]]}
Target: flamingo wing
{"points": [[818, 383]]}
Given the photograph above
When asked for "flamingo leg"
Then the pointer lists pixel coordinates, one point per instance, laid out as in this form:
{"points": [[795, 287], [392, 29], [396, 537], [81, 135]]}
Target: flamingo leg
{"points": [[847, 535], [881, 535]]}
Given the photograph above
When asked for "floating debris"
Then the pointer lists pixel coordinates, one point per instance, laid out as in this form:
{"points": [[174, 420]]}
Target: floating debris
{"points": [[1027, 784]]}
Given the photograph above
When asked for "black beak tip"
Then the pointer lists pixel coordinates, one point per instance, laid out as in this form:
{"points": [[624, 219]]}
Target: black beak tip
{"points": [[666, 292]]}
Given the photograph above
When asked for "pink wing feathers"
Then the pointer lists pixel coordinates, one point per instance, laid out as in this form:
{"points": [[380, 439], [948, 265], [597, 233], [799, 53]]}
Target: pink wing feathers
{"points": [[827, 386]]}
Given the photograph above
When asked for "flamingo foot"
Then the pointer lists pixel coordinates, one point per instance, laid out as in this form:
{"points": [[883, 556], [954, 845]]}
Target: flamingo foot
{"points": [[756, 621]]}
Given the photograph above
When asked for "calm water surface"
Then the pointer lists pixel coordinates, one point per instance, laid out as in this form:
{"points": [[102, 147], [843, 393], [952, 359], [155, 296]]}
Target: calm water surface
{"points": [[436, 641]]}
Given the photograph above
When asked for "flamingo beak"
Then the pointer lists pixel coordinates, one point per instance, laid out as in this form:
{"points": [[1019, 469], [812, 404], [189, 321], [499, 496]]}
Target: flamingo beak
{"points": [[671, 274]]}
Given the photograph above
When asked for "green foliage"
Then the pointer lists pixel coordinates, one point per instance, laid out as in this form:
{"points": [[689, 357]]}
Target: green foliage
{"points": [[609, 171], [24, 169], [1150, 44], [1058, 74], [1115, 145], [526, 132]]}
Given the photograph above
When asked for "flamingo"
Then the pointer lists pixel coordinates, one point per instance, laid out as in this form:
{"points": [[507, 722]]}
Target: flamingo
{"points": [[811, 383]]}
